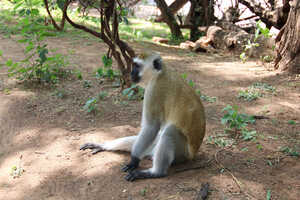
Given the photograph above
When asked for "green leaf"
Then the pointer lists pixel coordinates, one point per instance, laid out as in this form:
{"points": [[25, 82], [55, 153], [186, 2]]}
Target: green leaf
{"points": [[248, 135], [291, 122], [29, 47], [269, 163], [9, 63], [269, 195], [228, 107], [18, 4], [1, 53], [99, 72], [110, 73], [79, 74], [23, 40], [35, 12], [126, 91], [22, 12], [191, 83], [42, 54], [106, 61]]}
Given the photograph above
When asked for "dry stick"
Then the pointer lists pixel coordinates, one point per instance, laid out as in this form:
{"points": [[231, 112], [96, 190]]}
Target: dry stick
{"points": [[233, 177], [193, 168]]}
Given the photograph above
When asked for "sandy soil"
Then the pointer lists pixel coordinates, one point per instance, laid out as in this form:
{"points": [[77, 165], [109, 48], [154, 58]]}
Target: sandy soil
{"points": [[41, 132]]}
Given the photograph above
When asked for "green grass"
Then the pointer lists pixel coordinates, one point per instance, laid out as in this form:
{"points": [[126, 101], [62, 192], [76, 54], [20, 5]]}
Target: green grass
{"points": [[137, 30]]}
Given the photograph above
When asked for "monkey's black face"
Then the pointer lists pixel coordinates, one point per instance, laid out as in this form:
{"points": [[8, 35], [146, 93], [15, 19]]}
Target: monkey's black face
{"points": [[135, 77]]}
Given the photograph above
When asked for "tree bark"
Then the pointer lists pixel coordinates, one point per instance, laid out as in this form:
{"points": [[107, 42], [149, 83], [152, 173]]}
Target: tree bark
{"points": [[169, 18], [271, 17], [288, 42], [174, 7], [201, 15]]}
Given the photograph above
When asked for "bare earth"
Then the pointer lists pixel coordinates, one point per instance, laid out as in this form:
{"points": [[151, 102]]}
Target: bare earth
{"points": [[41, 132]]}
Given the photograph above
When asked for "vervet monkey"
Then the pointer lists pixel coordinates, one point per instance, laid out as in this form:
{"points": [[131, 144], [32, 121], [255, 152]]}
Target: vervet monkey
{"points": [[173, 121]]}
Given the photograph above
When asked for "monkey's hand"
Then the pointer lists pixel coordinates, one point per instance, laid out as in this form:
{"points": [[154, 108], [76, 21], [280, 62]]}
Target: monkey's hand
{"points": [[95, 147], [134, 163]]}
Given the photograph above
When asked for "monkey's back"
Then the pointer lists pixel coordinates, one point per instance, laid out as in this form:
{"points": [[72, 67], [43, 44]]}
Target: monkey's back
{"points": [[181, 106]]}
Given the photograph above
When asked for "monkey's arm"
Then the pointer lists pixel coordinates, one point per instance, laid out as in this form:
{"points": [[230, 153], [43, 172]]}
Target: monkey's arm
{"points": [[145, 138], [120, 144]]}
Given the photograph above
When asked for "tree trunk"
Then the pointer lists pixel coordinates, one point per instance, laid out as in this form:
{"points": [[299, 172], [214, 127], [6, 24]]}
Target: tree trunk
{"points": [[174, 7], [288, 42], [201, 15], [169, 18]]}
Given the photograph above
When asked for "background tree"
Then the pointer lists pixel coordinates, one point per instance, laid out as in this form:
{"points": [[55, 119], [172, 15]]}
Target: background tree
{"points": [[174, 7], [169, 19], [288, 41], [270, 14], [61, 5], [110, 13]]}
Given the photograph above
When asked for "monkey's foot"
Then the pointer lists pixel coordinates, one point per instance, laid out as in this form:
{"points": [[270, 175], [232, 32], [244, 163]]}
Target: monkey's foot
{"points": [[96, 147], [142, 174], [134, 163]]}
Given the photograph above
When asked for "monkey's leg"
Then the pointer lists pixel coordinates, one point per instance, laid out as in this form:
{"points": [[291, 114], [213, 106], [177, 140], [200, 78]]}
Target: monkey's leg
{"points": [[171, 147], [120, 144], [142, 145]]}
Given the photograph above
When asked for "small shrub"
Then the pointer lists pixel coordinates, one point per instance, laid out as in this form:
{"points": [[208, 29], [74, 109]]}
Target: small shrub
{"points": [[238, 122], [290, 151], [219, 141], [248, 135], [204, 97], [102, 95], [235, 120], [60, 93], [255, 91], [261, 30], [135, 92], [87, 84], [266, 58], [249, 94], [106, 71], [264, 86], [91, 104], [41, 64], [38, 65]]}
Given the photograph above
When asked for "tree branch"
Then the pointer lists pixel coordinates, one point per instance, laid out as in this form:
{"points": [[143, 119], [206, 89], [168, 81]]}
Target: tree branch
{"points": [[62, 23]]}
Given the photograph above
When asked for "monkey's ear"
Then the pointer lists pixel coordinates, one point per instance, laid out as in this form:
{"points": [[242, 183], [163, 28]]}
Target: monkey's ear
{"points": [[157, 63]]}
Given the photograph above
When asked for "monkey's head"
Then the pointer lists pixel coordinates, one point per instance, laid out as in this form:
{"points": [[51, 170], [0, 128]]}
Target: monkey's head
{"points": [[145, 67]]}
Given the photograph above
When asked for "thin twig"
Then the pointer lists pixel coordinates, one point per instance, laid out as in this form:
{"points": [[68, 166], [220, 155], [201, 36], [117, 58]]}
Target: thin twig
{"points": [[233, 177], [223, 167], [193, 168]]}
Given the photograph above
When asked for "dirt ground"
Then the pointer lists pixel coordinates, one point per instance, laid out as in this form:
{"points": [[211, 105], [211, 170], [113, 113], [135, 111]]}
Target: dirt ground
{"points": [[41, 132]]}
